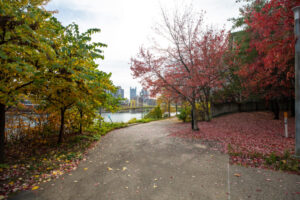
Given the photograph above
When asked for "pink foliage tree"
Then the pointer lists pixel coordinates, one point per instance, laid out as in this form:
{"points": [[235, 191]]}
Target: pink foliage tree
{"points": [[190, 67]]}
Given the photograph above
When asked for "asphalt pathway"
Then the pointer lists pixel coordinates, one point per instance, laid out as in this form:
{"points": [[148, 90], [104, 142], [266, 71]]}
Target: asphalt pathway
{"points": [[143, 162]]}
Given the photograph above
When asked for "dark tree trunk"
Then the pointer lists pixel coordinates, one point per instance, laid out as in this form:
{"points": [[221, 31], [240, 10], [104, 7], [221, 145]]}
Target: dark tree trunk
{"points": [[286, 104], [169, 108], [207, 112], [62, 125], [275, 109], [240, 107], [192, 116], [80, 124], [194, 120], [176, 107], [100, 124], [2, 132], [292, 106]]}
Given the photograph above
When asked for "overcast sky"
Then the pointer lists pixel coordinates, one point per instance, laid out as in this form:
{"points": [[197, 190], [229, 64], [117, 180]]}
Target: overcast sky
{"points": [[127, 24]]}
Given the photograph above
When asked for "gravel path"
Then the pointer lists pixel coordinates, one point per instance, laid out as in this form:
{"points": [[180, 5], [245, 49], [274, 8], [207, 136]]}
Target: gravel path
{"points": [[143, 162]]}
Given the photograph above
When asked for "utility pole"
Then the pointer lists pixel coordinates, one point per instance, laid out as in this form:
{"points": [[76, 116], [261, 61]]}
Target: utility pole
{"points": [[297, 79]]}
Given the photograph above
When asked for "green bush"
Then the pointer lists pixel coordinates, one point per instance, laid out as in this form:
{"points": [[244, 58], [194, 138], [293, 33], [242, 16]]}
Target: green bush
{"points": [[166, 115], [155, 113], [133, 120], [185, 114]]}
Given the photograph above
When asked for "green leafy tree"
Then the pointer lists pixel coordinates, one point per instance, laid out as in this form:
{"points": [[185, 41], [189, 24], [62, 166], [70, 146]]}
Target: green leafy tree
{"points": [[71, 76], [22, 47]]}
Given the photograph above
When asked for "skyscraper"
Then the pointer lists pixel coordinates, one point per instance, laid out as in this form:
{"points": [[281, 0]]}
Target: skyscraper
{"points": [[144, 94], [120, 92], [132, 93]]}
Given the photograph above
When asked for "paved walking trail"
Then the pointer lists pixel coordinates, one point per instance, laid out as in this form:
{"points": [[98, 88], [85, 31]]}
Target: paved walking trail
{"points": [[143, 162]]}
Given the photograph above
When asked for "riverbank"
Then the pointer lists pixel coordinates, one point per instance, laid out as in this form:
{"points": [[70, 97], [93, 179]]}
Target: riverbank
{"points": [[34, 161]]}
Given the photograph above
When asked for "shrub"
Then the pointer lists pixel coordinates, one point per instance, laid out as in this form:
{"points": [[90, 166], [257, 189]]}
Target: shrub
{"points": [[184, 114], [155, 113], [166, 115], [133, 120]]}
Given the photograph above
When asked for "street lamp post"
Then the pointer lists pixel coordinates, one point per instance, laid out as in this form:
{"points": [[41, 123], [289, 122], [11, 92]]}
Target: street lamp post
{"points": [[297, 78]]}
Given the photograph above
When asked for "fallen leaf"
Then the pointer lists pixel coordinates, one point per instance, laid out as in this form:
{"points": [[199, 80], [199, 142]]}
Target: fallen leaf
{"points": [[75, 181], [237, 175], [109, 169], [35, 188], [127, 161], [126, 187], [85, 169], [154, 186], [2, 197], [124, 168], [155, 179]]}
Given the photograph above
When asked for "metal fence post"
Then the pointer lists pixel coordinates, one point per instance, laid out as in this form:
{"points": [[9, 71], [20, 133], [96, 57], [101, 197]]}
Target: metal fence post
{"points": [[297, 79]]}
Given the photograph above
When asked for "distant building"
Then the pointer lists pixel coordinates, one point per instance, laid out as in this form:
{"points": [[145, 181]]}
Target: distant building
{"points": [[151, 102], [133, 93], [144, 94], [120, 92]]}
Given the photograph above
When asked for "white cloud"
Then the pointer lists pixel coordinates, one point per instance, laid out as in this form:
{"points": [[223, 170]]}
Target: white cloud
{"points": [[126, 25]]}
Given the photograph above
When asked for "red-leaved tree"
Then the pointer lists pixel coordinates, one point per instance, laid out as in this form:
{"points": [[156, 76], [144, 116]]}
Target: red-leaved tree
{"points": [[190, 67], [272, 72]]}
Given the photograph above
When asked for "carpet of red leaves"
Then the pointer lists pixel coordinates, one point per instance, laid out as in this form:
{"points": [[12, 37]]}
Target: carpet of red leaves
{"points": [[244, 135]]}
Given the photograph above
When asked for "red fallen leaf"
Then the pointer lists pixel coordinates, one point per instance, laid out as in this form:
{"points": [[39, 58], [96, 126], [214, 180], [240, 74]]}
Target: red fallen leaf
{"points": [[245, 134], [258, 190]]}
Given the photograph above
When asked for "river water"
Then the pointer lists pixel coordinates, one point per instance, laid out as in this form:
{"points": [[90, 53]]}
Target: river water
{"points": [[123, 117], [120, 117]]}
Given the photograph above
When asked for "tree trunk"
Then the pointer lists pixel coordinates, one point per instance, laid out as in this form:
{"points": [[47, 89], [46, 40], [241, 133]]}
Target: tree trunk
{"points": [[80, 124], [100, 112], [2, 132], [169, 108], [240, 107], [194, 116], [62, 125], [292, 106], [275, 109], [207, 111], [176, 107]]}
